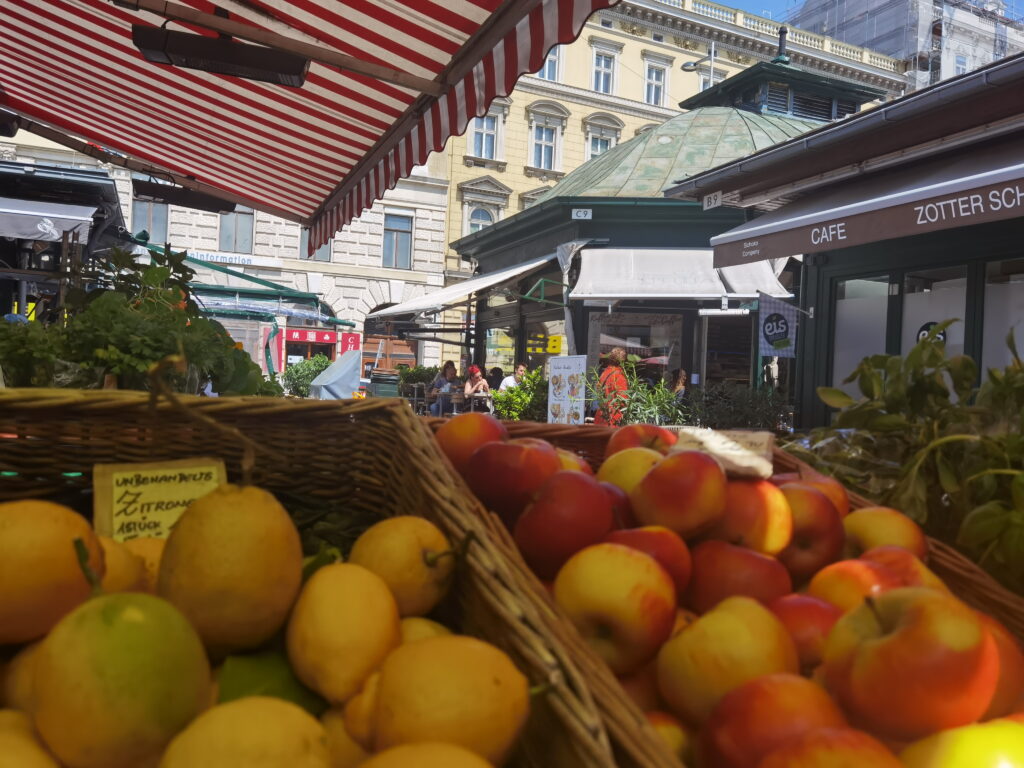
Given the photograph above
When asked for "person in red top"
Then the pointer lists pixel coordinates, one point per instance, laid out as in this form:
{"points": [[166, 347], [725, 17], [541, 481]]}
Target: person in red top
{"points": [[613, 382]]}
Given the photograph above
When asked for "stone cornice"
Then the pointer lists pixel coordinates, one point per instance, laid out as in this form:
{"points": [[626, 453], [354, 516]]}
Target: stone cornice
{"points": [[598, 101], [700, 29]]}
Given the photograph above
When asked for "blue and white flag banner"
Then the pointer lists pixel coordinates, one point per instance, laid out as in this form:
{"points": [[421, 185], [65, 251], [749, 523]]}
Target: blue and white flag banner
{"points": [[776, 326]]}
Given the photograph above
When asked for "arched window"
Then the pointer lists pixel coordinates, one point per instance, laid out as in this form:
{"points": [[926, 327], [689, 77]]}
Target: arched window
{"points": [[480, 218]]}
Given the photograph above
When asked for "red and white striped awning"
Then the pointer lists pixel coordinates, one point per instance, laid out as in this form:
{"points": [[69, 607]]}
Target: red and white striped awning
{"points": [[414, 73]]}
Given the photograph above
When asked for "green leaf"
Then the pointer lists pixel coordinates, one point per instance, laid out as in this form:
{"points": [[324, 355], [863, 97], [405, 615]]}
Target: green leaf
{"points": [[325, 556], [835, 398], [983, 525], [887, 422], [265, 674], [947, 477], [1017, 491]]}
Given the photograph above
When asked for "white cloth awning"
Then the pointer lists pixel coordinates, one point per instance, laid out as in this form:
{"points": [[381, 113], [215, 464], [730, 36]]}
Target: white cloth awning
{"points": [[439, 299], [39, 220], [943, 193], [621, 274]]}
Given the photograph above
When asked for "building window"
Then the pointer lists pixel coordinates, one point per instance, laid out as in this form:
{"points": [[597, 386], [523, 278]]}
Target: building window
{"points": [[151, 217], [236, 230], [655, 90], [657, 37], [602, 131], [961, 64], [479, 218], [397, 241], [606, 23], [604, 71], [709, 78], [544, 143], [485, 137], [549, 71], [323, 253]]}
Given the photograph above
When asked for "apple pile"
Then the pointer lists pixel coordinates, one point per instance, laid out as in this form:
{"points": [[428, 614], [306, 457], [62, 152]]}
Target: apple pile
{"points": [[758, 623]]}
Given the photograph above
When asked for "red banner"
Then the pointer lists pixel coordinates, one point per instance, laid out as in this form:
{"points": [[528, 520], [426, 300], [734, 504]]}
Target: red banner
{"points": [[349, 342]]}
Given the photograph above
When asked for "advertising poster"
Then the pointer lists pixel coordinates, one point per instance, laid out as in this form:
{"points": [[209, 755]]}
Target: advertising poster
{"points": [[567, 389], [776, 326]]}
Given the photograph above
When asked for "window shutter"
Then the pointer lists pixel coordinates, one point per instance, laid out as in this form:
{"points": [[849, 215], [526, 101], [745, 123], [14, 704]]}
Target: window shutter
{"points": [[778, 97], [812, 107]]}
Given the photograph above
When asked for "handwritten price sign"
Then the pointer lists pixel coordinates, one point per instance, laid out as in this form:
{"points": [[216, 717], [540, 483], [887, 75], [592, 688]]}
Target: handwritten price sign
{"points": [[134, 500]]}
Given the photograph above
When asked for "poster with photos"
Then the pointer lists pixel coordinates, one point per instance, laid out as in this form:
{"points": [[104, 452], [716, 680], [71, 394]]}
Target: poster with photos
{"points": [[567, 389]]}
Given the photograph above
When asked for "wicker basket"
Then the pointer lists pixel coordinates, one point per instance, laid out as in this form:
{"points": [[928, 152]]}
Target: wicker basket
{"points": [[374, 454], [967, 580]]}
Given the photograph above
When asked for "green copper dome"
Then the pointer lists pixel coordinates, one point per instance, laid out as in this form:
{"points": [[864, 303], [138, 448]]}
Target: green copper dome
{"points": [[682, 146]]}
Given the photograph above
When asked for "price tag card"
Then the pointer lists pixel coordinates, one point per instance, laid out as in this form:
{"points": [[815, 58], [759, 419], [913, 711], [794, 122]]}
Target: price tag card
{"points": [[741, 453], [134, 500]]}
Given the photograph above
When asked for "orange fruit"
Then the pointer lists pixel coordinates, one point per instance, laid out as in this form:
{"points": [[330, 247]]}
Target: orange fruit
{"points": [[40, 578], [344, 624], [151, 550], [413, 557], [125, 571], [455, 689], [426, 755]]}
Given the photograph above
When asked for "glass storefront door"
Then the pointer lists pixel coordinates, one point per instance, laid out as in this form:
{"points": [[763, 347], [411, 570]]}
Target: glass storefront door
{"points": [[653, 339], [1004, 310], [929, 297], [861, 309]]}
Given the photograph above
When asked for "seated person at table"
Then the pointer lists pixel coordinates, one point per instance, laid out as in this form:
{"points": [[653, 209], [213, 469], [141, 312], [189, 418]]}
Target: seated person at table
{"points": [[443, 385], [513, 381], [476, 384]]}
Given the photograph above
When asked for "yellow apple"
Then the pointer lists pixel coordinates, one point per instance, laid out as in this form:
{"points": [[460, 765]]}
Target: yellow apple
{"points": [[871, 527], [998, 744], [738, 640], [625, 468]]}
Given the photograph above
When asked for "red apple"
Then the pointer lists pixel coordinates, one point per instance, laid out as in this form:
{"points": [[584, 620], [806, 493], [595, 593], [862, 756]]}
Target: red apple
{"points": [[832, 748], [642, 686], [570, 511], [621, 508], [640, 436], [832, 488], [685, 491], [762, 715], [911, 571], [620, 600], [721, 570], [574, 462], [845, 584], [506, 475], [665, 546], [671, 730], [1011, 669], [911, 662], [461, 435], [756, 516], [809, 620], [818, 533], [871, 527]]}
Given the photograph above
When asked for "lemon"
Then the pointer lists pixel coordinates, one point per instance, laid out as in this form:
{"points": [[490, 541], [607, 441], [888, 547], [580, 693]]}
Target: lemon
{"points": [[116, 679], [413, 557], [19, 746], [151, 550], [40, 578], [233, 565], [418, 628], [254, 732], [344, 751], [125, 570], [455, 689], [16, 691], [426, 755], [344, 624]]}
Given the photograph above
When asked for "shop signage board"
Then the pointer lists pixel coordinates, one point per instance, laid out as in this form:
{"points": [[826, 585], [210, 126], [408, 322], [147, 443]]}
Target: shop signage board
{"points": [[567, 389], [350, 342], [311, 335], [979, 205], [135, 500], [777, 323]]}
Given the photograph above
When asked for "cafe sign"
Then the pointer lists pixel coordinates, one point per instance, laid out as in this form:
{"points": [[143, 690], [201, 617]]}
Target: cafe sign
{"points": [[963, 208]]}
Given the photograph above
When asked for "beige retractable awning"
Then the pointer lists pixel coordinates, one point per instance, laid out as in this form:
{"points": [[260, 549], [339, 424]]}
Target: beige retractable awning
{"points": [[622, 274], [452, 294], [941, 194]]}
